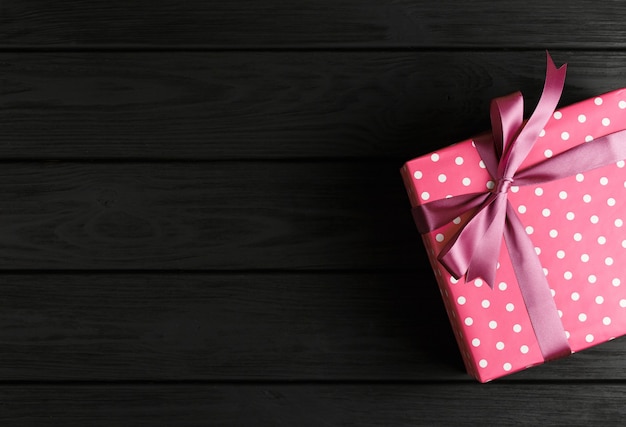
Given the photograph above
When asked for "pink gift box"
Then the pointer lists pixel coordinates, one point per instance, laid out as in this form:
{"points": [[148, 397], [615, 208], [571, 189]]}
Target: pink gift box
{"points": [[577, 225]]}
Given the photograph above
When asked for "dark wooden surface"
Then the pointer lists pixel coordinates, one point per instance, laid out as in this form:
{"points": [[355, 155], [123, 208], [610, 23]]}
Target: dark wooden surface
{"points": [[202, 220]]}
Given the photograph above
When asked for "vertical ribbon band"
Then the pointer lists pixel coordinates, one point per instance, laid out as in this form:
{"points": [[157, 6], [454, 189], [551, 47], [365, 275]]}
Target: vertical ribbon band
{"points": [[474, 250]]}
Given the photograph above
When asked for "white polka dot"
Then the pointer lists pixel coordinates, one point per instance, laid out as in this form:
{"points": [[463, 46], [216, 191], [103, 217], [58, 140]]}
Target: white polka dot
{"points": [[538, 251], [524, 349], [589, 338], [616, 282], [580, 177], [490, 185], [486, 303], [542, 133], [620, 164], [610, 201], [418, 174], [570, 215], [538, 191], [517, 328], [552, 292], [510, 307], [475, 342], [597, 101], [567, 334], [553, 233], [425, 195], [547, 153], [601, 240], [439, 237], [469, 321], [587, 198], [434, 157], [582, 118], [578, 237], [567, 275], [606, 321], [500, 345], [514, 188], [557, 115], [507, 366], [608, 260], [592, 278], [599, 299], [582, 317], [466, 181], [457, 220], [442, 177], [562, 195], [459, 160], [622, 303], [604, 180], [606, 121], [621, 104], [584, 258], [588, 138], [564, 136], [521, 209], [594, 219], [529, 229], [502, 286], [482, 363], [453, 280], [482, 164], [493, 324], [545, 212], [478, 283], [461, 300], [575, 296]]}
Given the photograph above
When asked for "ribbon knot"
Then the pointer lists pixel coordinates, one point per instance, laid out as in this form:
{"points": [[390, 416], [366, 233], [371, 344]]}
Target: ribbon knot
{"points": [[473, 251], [503, 185]]}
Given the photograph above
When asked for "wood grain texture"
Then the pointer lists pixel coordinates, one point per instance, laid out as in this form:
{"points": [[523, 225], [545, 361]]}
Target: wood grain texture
{"points": [[313, 405], [268, 105], [206, 216], [349, 23], [245, 327]]}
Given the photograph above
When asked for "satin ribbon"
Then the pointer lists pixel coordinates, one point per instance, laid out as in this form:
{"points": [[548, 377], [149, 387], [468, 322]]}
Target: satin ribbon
{"points": [[474, 250]]}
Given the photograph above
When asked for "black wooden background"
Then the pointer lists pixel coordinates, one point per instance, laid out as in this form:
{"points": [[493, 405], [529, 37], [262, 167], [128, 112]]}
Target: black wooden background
{"points": [[202, 220]]}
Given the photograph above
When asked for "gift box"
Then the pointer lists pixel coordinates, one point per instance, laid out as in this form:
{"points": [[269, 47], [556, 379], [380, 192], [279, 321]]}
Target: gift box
{"points": [[559, 211]]}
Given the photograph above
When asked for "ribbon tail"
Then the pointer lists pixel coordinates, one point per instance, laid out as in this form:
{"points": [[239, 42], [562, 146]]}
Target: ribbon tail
{"points": [[517, 151], [535, 290], [463, 249], [485, 258]]}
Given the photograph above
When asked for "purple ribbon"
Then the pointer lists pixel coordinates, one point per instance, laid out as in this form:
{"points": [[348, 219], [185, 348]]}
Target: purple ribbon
{"points": [[474, 250]]}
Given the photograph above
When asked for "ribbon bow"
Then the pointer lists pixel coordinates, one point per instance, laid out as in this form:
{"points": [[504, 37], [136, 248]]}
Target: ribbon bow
{"points": [[474, 250]]}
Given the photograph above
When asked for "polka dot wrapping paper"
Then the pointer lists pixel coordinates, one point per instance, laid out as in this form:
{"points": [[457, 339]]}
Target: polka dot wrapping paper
{"points": [[577, 225]]}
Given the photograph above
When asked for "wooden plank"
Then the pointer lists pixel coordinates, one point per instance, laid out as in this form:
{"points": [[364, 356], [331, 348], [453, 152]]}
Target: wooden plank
{"points": [[207, 216], [245, 23], [244, 327], [228, 105], [314, 405]]}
